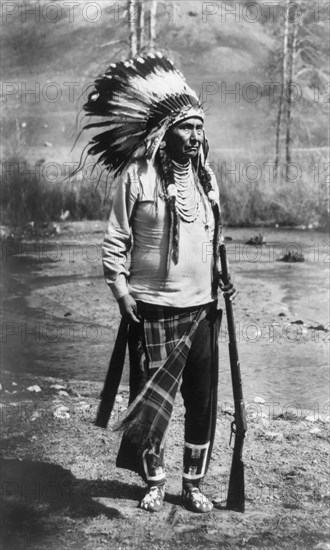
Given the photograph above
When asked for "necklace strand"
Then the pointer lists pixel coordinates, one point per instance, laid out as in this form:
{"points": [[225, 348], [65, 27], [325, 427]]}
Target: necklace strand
{"points": [[187, 198]]}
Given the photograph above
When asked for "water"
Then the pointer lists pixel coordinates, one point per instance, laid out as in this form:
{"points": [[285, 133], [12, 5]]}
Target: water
{"points": [[288, 368]]}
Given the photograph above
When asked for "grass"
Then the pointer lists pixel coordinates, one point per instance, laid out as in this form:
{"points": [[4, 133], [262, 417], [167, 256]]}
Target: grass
{"points": [[250, 195], [27, 195]]}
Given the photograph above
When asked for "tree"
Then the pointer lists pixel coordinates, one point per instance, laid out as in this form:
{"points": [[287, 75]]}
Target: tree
{"points": [[152, 23], [285, 99], [142, 25], [133, 43], [289, 84], [303, 57]]}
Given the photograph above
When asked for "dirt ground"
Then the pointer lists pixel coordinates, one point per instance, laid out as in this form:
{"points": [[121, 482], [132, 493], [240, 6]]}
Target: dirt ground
{"points": [[61, 490]]}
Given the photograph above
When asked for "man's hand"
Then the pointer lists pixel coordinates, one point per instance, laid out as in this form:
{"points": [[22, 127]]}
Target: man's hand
{"points": [[228, 290], [128, 309]]}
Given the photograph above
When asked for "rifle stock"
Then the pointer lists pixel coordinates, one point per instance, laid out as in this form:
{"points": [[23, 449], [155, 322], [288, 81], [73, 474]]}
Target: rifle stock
{"points": [[113, 377], [236, 488]]}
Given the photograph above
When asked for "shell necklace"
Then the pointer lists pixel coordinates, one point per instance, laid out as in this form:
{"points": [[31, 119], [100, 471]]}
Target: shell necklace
{"points": [[187, 194]]}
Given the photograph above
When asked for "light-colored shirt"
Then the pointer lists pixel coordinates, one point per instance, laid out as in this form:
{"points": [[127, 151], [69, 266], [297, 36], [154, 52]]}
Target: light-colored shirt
{"points": [[139, 227]]}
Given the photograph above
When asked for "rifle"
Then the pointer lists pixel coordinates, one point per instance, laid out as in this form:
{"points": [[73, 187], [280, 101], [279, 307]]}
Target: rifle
{"points": [[113, 377], [236, 490]]}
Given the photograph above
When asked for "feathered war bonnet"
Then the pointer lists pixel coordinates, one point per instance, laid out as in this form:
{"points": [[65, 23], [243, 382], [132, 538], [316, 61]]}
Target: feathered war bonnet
{"points": [[137, 101]]}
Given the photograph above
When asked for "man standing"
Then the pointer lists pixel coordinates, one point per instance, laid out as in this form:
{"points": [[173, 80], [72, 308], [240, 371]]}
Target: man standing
{"points": [[166, 216]]}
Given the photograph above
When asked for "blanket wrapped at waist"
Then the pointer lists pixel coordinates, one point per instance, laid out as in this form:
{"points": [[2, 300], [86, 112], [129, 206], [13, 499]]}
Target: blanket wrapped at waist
{"points": [[167, 335]]}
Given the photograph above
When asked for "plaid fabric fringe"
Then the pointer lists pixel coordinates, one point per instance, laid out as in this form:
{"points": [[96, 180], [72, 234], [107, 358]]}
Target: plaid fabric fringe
{"points": [[167, 337]]}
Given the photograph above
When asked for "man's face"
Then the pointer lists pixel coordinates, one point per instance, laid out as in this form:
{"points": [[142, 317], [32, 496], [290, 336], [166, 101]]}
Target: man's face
{"points": [[184, 139]]}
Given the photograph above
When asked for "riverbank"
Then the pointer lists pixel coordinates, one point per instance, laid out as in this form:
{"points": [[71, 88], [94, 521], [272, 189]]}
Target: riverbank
{"points": [[61, 488]]}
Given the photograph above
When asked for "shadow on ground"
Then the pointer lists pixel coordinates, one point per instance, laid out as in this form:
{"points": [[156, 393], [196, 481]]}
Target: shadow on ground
{"points": [[34, 492]]}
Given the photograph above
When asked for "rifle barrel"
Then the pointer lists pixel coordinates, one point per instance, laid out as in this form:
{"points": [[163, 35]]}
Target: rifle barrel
{"points": [[236, 489]]}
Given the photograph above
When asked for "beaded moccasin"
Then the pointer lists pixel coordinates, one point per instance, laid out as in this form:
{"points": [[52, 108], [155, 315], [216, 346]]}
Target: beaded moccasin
{"points": [[153, 499], [195, 501]]}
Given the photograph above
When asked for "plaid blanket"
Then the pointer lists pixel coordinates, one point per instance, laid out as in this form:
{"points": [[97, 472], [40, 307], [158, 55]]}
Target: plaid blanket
{"points": [[168, 338]]}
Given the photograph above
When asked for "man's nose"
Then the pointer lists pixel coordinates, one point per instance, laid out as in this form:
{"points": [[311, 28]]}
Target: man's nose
{"points": [[194, 135]]}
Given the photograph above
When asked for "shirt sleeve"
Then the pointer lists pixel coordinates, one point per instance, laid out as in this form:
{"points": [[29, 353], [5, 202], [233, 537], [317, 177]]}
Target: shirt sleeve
{"points": [[118, 237]]}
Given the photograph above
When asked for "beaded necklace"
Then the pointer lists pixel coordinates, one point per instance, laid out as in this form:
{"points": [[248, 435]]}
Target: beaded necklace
{"points": [[187, 195]]}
